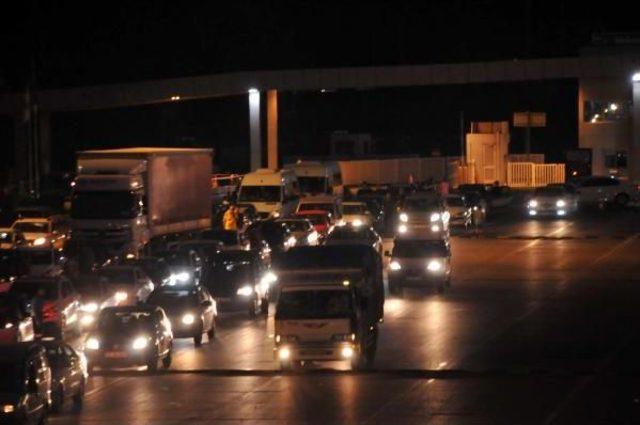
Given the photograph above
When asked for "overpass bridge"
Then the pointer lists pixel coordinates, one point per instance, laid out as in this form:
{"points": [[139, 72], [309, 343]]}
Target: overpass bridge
{"points": [[603, 76]]}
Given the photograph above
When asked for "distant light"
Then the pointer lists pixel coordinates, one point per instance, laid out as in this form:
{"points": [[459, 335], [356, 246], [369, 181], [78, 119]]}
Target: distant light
{"points": [[636, 77], [175, 97], [253, 91], [613, 107], [323, 91]]}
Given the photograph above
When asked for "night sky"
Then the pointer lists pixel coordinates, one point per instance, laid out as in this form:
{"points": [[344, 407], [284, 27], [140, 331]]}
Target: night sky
{"points": [[63, 44]]}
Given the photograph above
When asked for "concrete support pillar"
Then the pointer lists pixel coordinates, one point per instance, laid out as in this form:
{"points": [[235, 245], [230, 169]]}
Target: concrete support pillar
{"points": [[634, 149], [255, 137], [272, 129]]}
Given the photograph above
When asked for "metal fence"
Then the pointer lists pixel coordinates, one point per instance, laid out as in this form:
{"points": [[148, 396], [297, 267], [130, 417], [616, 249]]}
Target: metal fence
{"points": [[529, 174]]}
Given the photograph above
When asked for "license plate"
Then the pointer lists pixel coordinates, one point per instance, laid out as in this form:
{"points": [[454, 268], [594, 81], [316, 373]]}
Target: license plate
{"points": [[115, 354]]}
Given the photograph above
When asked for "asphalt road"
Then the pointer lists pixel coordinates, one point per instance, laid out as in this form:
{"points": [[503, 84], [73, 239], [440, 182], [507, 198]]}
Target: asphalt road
{"points": [[541, 326]]}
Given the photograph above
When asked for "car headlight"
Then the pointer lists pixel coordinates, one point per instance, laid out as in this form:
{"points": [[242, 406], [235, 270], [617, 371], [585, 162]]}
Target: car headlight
{"points": [[347, 352], [394, 265], [89, 307], [533, 203], [188, 319], [92, 344], [475, 208], [560, 203], [434, 266], [312, 238], [181, 277], [275, 214], [245, 291], [87, 320], [284, 353], [291, 242], [39, 241], [8, 325], [8, 408], [357, 222], [404, 217], [120, 296], [402, 228], [435, 217], [267, 280], [140, 343], [435, 228]]}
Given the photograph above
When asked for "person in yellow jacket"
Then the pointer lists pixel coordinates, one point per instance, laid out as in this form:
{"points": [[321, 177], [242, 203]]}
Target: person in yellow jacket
{"points": [[230, 218]]}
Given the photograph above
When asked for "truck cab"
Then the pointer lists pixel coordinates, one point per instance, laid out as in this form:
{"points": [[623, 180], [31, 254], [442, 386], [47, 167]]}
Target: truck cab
{"points": [[317, 178], [323, 320], [273, 193]]}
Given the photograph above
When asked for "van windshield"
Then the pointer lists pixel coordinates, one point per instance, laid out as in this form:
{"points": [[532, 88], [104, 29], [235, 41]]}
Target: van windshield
{"points": [[260, 194], [312, 184], [314, 304]]}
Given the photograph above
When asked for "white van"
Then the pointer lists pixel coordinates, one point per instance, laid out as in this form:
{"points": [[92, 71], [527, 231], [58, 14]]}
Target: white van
{"points": [[317, 178], [273, 193]]}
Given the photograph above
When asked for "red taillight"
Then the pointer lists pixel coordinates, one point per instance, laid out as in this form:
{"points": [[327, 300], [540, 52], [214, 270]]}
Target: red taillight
{"points": [[49, 312]]}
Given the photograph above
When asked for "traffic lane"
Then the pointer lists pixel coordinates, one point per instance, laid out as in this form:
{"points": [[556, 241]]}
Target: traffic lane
{"points": [[423, 329], [324, 398]]}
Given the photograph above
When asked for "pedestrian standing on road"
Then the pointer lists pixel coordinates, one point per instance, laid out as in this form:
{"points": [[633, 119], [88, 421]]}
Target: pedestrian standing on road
{"points": [[230, 218]]}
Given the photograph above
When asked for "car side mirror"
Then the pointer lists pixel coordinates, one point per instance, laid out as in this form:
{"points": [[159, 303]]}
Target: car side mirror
{"points": [[206, 303]]}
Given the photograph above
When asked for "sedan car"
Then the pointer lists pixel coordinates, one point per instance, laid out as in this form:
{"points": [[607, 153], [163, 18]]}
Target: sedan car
{"points": [[276, 235], [350, 235], [190, 308], [461, 213], [130, 336], [606, 190], [16, 325], [41, 231], [302, 230], [357, 214], [321, 221], [419, 262], [25, 387], [59, 303], [553, 200], [68, 373], [423, 215], [10, 238], [230, 239], [127, 284], [242, 278]]}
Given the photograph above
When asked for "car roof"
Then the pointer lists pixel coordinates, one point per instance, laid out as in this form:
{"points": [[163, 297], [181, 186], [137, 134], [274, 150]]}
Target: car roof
{"points": [[313, 212], [19, 350]]}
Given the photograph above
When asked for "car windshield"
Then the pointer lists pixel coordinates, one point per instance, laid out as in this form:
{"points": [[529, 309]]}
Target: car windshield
{"points": [[12, 377], [124, 321], [550, 191], [314, 304], [420, 204], [260, 194], [298, 225], [347, 233], [27, 289], [119, 276], [173, 298], [354, 209], [104, 205], [455, 201], [175, 258], [316, 207], [419, 248], [312, 184], [32, 226], [337, 256]]}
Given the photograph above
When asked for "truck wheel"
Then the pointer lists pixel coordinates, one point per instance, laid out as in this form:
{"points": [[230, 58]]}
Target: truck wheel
{"points": [[152, 364], [166, 362], [211, 333], [197, 339], [78, 398]]}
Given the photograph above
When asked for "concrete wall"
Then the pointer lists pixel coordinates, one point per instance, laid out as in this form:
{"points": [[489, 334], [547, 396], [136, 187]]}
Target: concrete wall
{"points": [[604, 137]]}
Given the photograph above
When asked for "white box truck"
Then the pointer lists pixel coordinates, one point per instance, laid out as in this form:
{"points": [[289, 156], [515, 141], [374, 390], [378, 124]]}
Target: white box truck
{"points": [[122, 198]]}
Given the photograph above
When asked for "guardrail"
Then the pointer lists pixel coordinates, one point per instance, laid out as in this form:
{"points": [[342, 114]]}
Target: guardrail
{"points": [[529, 174]]}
